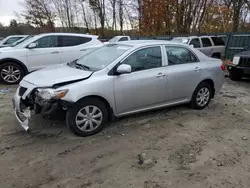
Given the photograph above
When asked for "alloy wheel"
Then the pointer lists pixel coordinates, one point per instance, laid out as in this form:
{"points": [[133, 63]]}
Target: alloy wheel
{"points": [[10, 73]]}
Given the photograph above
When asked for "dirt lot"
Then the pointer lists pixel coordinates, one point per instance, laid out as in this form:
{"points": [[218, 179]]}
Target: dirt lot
{"points": [[178, 147]]}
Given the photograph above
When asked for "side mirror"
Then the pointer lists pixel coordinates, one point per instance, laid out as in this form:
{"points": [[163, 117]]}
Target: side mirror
{"points": [[32, 45], [124, 69], [192, 45]]}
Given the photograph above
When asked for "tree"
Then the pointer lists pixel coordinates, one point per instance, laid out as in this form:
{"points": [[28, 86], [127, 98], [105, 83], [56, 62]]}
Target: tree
{"points": [[98, 7], [38, 13]]}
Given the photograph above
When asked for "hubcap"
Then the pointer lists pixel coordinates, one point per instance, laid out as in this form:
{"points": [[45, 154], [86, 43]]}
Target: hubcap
{"points": [[89, 118], [10, 73], [203, 96]]}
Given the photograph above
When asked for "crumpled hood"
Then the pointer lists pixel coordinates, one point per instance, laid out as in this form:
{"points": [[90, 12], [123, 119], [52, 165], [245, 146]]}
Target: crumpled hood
{"points": [[56, 74], [245, 53]]}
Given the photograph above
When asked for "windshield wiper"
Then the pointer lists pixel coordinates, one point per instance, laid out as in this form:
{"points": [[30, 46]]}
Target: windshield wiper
{"points": [[82, 66]]}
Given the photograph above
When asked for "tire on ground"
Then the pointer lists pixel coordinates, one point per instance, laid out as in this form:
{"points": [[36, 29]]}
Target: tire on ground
{"points": [[4, 66], [72, 113], [194, 104]]}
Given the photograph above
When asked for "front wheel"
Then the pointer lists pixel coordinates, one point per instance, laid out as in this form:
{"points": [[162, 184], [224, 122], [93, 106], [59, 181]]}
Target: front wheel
{"points": [[87, 117], [11, 73], [235, 75], [201, 96]]}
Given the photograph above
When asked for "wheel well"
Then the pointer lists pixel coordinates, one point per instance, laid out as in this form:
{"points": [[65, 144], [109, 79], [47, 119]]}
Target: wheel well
{"points": [[109, 108], [216, 54], [211, 83], [17, 62]]}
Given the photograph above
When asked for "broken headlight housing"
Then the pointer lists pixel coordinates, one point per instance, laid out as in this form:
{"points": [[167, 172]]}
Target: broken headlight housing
{"points": [[49, 93]]}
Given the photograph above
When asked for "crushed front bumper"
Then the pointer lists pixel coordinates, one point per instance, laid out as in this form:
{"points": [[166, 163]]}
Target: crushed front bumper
{"points": [[22, 114]]}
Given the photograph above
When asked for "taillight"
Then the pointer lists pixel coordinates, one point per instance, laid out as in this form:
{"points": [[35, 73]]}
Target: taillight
{"points": [[223, 67]]}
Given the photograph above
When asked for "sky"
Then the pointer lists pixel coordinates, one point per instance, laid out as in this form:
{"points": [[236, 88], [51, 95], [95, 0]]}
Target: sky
{"points": [[7, 8]]}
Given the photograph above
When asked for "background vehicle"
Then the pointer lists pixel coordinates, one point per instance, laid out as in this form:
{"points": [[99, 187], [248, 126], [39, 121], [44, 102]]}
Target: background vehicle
{"points": [[240, 66], [135, 76], [118, 39], [41, 51], [10, 40], [21, 40], [211, 46]]}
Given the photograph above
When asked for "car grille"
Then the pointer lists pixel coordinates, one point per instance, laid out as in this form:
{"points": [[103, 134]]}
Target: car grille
{"points": [[244, 62], [22, 90]]}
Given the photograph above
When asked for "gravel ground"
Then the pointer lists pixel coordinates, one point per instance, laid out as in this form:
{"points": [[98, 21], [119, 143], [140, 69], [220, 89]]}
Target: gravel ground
{"points": [[169, 148]]}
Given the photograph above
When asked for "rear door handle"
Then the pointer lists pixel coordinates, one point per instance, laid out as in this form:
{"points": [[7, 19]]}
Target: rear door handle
{"points": [[160, 75], [83, 50], [56, 52]]}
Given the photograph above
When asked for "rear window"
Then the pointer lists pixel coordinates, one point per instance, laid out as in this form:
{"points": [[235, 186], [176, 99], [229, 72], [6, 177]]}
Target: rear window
{"points": [[218, 41], [65, 41], [206, 42]]}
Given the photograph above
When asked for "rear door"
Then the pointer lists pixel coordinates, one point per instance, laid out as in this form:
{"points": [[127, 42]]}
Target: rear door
{"points": [[45, 54], [73, 47], [207, 47], [183, 73]]}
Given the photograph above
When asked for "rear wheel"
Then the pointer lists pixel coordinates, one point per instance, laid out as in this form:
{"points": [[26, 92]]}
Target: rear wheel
{"points": [[87, 117], [11, 73], [201, 96]]}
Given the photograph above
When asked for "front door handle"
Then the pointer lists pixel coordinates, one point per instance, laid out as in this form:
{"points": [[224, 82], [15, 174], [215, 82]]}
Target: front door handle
{"points": [[160, 75], [56, 52], [197, 69]]}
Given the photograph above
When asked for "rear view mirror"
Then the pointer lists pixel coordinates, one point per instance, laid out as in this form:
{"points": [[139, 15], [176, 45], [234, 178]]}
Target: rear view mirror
{"points": [[32, 45], [124, 69]]}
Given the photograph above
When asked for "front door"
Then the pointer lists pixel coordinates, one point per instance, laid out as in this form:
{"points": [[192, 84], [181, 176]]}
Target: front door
{"points": [[183, 73], [45, 54], [145, 86]]}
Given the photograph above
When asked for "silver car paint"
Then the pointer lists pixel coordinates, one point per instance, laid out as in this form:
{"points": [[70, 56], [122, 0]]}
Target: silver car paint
{"points": [[138, 91]]}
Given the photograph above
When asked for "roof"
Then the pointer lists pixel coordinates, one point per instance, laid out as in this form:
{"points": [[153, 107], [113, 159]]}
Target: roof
{"points": [[149, 42], [70, 34]]}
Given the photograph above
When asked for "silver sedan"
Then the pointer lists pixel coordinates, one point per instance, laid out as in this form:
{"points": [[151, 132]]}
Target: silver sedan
{"points": [[119, 79]]}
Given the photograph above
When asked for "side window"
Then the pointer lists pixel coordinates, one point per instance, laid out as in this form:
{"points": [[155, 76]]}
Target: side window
{"points": [[147, 58], [179, 55], [65, 41], [12, 40], [195, 42], [206, 42], [47, 42], [218, 41], [123, 39]]}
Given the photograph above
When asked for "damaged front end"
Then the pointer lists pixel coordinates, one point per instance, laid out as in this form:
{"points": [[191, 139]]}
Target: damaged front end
{"points": [[42, 101]]}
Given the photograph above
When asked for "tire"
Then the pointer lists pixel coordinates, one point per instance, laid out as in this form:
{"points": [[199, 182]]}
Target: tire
{"points": [[197, 104], [235, 75], [11, 73], [78, 113]]}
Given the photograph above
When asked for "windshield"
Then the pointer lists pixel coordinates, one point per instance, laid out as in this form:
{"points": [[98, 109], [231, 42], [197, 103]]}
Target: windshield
{"points": [[114, 39], [103, 56], [20, 41], [26, 42]]}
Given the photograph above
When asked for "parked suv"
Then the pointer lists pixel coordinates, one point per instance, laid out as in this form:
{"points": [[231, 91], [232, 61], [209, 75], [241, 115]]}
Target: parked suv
{"points": [[119, 79], [212, 46], [41, 51], [11, 39], [240, 66]]}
